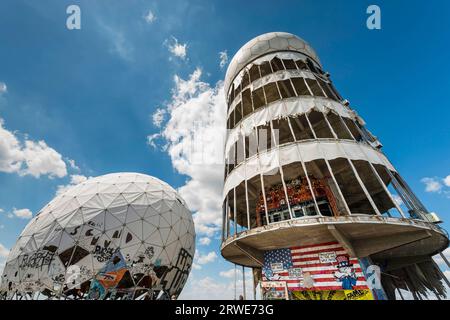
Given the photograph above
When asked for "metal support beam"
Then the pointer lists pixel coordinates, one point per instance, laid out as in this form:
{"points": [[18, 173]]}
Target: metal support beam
{"points": [[342, 239], [250, 252]]}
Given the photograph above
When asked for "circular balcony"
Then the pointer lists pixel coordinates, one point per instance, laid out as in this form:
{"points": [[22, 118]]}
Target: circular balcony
{"points": [[361, 235]]}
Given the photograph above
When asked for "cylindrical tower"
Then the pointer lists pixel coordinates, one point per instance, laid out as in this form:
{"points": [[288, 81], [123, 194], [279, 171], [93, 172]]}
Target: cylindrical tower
{"points": [[310, 201]]}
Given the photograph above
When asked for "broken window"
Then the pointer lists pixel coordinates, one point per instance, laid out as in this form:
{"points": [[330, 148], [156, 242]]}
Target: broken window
{"points": [[319, 125], [271, 91], [246, 102], [350, 187], [301, 65], [245, 79], [254, 73], [289, 64], [353, 128], [282, 131], [265, 68], [301, 128], [277, 65], [300, 87], [338, 127], [237, 114], [286, 89], [258, 98], [326, 88], [379, 196], [251, 144], [315, 88]]}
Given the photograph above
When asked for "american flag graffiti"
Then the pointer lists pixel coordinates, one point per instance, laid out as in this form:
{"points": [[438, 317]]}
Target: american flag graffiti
{"points": [[325, 266]]}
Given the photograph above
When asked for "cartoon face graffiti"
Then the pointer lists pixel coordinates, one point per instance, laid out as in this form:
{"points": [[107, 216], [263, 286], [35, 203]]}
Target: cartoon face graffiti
{"points": [[345, 274]]}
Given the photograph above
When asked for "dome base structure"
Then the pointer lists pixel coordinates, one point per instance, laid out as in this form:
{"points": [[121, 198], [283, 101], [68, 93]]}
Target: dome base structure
{"points": [[310, 201]]}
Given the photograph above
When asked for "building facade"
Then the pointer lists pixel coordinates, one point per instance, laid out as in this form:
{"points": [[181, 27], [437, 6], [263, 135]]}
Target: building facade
{"points": [[310, 202]]}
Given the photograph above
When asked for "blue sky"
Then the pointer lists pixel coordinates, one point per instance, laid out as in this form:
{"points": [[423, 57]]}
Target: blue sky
{"points": [[89, 95]]}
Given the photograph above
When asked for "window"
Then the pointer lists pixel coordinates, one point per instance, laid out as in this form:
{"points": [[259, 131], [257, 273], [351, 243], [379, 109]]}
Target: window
{"points": [[289, 64], [286, 89], [232, 123], [240, 151], [254, 73], [277, 205], [245, 79], [265, 68], [338, 127], [258, 98], [300, 87], [301, 128], [301, 65], [327, 90], [231, 158], [264, 138], [271, 91], [353, 128], [237, 114], [298, 191], [315, 88], [282, 131], [319, 125], [350, 187], [251, 144], [277, 65], [246, 102], [237, 91], [382, 200], [311, 65]]}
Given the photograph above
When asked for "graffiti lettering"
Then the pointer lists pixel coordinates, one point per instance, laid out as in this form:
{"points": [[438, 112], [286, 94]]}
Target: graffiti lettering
{"points": [[37, 259]]}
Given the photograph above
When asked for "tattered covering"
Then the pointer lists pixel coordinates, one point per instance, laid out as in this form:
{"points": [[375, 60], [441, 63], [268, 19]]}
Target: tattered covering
{"points": [[423, 280], [285, 108]]}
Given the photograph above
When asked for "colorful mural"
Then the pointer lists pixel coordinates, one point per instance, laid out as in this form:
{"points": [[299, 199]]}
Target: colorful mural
{"points": [[315, 272]]}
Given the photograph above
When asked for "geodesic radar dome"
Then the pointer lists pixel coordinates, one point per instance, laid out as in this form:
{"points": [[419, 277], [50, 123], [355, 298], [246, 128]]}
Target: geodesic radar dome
{"points": [[117, 236]]}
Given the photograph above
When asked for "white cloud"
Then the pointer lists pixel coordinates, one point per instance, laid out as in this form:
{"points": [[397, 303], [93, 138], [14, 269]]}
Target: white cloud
{"points": [[150, 17], [118, 42], [3, 251], [439, 259], [3, 88], [74, 180], [432, 185], [73, 164], [207, 288], [151, 139], [206, 258], [23, 213], [397, 199], [196, 266], [231, 273], [158, 117], [194, 139], [177, 49], [223, 57], [43, 160], [204, 241], [447, 181], [29, 158], [1, 210]]}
